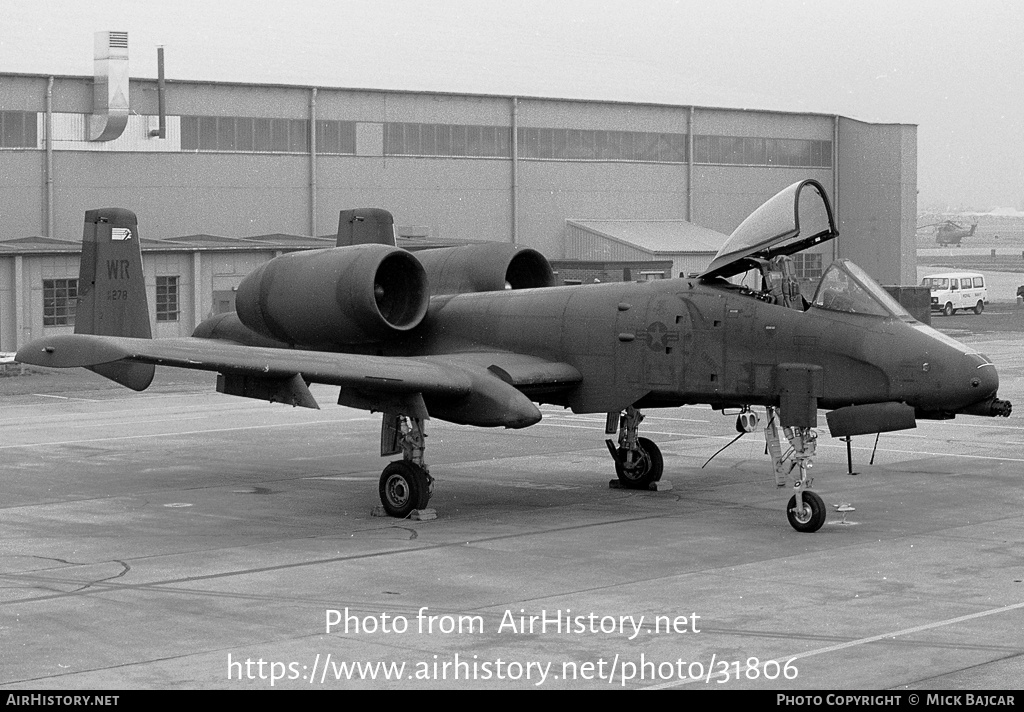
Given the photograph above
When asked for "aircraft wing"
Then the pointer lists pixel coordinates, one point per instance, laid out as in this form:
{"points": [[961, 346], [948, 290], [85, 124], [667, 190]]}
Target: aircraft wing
{"points": [[474, 388]]}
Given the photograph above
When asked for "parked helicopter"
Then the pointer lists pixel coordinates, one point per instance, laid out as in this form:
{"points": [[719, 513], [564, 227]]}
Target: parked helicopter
{"points": [[949, 232]]}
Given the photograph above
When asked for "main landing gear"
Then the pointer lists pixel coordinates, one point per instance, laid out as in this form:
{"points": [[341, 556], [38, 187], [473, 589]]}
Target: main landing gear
{"points": [[406, 484], [806, 510], [638, 461]]}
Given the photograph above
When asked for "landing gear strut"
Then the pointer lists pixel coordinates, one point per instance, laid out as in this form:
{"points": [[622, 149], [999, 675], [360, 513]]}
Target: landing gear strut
{"points": [[638, 461], [806, 510], [406, 484]]}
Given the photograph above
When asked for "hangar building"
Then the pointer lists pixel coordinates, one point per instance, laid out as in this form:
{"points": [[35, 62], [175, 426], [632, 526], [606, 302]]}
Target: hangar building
{"points": [[248, 161]]}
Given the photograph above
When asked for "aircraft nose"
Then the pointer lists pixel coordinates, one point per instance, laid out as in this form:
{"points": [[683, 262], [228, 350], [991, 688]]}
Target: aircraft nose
{"points": [[973, 378], [983, 386], [964, 380], [985, 380]]}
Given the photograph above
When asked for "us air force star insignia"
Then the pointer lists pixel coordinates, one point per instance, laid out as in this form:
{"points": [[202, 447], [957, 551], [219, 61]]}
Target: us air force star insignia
{"points": [[659, 338], [120, 233]]}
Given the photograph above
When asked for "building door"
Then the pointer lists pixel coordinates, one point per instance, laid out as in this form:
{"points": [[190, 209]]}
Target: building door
{"points": [[223, 301]]}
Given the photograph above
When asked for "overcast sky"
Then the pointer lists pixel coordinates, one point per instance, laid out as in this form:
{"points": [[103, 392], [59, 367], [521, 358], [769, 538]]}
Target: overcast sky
{"points": [[953, 68]]}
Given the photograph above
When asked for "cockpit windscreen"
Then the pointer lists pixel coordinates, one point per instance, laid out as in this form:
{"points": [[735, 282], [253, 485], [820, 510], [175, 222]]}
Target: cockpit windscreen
{"points": [[845, 287]]}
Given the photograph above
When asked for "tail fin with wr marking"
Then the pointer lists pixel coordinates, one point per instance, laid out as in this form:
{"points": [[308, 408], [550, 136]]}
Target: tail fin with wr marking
{"points": [[112, 289]]}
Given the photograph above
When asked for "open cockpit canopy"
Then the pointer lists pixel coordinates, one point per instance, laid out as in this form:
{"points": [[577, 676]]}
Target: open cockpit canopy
{"points": [[796, 218]]}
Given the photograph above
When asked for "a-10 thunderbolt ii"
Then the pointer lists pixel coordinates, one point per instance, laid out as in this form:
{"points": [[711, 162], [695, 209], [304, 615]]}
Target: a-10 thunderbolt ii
{"points": [[476, 335]]}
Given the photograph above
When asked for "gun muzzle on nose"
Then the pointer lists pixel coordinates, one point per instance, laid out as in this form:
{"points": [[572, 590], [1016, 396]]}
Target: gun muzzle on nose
{"points": [[991, 407]]}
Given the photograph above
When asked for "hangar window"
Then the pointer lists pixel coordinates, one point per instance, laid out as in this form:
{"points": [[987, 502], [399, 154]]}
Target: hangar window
{"points": [[259, 135], [474, 143], [224, 138], [166, 298], [18, 129], [789, 152], [807, 265], [587, 145], [450, 140], [754, 151], [279, 140], [60, 296]]}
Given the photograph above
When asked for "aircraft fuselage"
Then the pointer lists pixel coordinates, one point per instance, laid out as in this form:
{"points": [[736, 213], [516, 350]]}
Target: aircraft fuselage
{"points": [[672, 342]]}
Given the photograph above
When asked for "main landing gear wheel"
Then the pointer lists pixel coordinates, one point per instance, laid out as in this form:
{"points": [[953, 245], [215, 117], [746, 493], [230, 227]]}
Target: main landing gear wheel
{"points": [[404, 486], [811, 517], [646, 467]]}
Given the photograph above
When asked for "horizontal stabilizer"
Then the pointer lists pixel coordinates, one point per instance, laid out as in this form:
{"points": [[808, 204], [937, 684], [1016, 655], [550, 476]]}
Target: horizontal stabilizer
{"points": [[136, 376], [96, 354], [69, 351]]}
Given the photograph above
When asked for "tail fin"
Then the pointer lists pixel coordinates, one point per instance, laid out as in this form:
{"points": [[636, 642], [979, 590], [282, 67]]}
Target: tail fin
{"points": [[112, 289], [364, 226]]}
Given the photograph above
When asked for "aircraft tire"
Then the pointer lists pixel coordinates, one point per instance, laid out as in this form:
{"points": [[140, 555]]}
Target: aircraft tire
{"points": [[948, 310], [813, 516], [403, 488], [979, 307], [646, 471]]}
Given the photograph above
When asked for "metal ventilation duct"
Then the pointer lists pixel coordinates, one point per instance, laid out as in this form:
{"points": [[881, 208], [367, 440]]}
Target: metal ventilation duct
{"points": [[110, 90]]}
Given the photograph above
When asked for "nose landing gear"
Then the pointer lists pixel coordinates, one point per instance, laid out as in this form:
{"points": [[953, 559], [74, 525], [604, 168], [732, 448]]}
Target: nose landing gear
{"points": [[806, 510]]}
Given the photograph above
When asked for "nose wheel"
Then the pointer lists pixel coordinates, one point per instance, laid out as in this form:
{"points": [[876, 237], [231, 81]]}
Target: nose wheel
{"points": [[806, 510], [807, 516]]}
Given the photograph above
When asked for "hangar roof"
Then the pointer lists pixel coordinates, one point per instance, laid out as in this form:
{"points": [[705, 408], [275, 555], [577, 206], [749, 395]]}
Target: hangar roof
{"points": [[434, 93], [278, 241], [36, 243], [657, 237]]}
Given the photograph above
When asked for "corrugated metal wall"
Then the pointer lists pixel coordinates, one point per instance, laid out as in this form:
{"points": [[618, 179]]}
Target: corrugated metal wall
{"points": [[239, 194]]}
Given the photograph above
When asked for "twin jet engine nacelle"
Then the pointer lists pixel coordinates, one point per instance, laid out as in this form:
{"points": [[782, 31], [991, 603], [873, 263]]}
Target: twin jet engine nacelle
{"points": [[489, 267], [335, 297], [365, 294]]}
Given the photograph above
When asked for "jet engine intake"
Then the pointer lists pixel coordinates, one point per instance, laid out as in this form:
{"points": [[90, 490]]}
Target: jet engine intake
{"points": [[335, 297], [488, 267]]}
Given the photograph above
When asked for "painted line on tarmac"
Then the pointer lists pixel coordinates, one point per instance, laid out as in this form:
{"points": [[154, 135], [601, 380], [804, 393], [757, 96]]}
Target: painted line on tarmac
{"points": [[929, 454], [860, 641], [820, 445], [186, 432], [67, 398], [646, 432]]}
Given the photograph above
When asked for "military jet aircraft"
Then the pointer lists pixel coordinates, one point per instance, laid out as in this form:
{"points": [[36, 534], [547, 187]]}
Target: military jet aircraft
{"points": [[477, 335]]}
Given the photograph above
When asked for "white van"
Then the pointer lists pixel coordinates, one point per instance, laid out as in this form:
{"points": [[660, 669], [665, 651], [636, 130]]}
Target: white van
{"points": [[957, 290]]}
